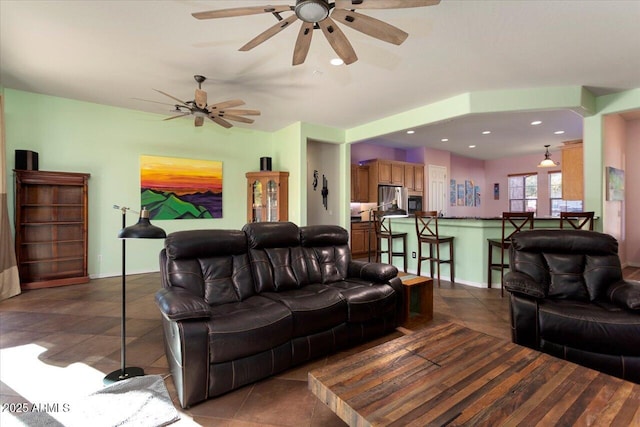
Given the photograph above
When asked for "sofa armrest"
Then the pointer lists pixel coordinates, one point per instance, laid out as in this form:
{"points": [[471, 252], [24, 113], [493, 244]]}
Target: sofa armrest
{"points": [[521, 283], [180, 304], [625, 293], [373, 271]]}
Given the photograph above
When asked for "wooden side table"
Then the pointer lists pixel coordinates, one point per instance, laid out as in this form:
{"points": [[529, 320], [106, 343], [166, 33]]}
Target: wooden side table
{"points": [[424, 285]]}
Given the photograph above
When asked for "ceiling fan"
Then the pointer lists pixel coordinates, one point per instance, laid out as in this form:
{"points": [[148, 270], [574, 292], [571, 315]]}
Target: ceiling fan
{"points": [[220, 112], [324, 14]]}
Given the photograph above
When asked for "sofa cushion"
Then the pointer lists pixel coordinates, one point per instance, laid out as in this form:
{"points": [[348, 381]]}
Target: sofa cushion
{"points": [[281, 234], [199, 263], [588, 326], [314, 308], [278, 269], [366, 300], [248, 327], [567, 280]]}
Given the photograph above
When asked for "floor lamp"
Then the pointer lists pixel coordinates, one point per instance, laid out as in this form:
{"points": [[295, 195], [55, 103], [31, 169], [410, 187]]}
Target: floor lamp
{"points": [[142, 230]]}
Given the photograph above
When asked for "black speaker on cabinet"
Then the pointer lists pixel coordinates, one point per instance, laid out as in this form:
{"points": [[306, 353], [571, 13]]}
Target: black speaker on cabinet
{"points": [[265, 164], [26, 160]]}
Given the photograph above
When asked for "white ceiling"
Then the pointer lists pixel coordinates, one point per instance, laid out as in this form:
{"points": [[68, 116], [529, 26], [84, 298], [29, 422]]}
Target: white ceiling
{"points": [[110, 52]]}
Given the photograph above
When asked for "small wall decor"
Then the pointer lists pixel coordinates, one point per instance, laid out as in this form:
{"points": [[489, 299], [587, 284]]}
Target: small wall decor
{"points": [[325, 191], [452, 192], [476, 193], [176, 188], [615, 184], [460, 194], [315, 179], [496, 191]]}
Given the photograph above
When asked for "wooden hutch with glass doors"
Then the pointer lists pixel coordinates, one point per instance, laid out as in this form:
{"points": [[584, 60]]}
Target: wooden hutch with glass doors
{"points": [[267, 196]]}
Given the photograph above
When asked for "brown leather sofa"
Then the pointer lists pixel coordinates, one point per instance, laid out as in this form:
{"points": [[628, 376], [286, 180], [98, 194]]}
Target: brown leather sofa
{"points": [[568, 299], [239, 306]]}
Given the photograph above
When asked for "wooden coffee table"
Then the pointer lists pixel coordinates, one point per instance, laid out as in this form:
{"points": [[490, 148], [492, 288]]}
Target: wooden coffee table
{"points": [[451, 375]]}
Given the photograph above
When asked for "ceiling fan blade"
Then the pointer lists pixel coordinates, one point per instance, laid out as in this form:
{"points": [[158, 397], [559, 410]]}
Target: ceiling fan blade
{"points": [[173, 97], [302, 43], [198, 121], [221, 122], [241, 112], [175, 117], [266, 35], [201, 98], [240, 11], [155, 102], [370, 26], [235, 118], [383, 4], [225, 104], [338, 41]]}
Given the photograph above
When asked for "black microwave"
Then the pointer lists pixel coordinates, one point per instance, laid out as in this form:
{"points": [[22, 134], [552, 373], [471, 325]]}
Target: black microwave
{"points": [[414, 203]]}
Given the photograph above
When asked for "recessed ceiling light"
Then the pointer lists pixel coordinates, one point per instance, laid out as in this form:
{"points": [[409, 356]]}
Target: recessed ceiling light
{"points": [[472, 146], [486, 132], [559, 132], [444, 139], [336, 61], [536, 123], [411, 132]]}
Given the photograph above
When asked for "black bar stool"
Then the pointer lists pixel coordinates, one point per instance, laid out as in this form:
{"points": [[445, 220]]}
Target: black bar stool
{"points": [[427, 232], [518, 220], [382, 227], [577, 220]]}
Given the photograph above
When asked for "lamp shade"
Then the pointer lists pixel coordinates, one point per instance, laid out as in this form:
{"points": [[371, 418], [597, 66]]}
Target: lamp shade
{"points": [[394, 212], [547, 162], [143, 229]]}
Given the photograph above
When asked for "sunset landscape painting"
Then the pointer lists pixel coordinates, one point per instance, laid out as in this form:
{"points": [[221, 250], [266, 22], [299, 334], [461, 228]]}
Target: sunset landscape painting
{"points": [[176, 188]]}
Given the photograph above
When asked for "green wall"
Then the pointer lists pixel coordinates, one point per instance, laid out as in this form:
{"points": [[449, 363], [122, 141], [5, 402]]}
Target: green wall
{"points": [[106, 142]]}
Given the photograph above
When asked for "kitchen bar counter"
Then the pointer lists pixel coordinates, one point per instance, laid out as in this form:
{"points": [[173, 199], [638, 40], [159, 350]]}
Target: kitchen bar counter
{"points": [[470, 245]]}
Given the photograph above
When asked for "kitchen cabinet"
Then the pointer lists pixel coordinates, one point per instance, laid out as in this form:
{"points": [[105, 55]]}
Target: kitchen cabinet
{"points": [[414, 177], [267, 196], [572, 165], [393, 172], [359, 183], [51, 223], [360, 239]]}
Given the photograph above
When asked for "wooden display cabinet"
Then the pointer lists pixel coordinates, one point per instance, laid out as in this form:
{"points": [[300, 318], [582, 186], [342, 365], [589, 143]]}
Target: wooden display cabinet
{"points": [[267, 196], [51, 223]]}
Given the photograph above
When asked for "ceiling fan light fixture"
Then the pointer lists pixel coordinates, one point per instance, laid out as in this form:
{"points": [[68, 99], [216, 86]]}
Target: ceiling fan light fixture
{"points": [[547, 162], [312, 10], [199, 113]]}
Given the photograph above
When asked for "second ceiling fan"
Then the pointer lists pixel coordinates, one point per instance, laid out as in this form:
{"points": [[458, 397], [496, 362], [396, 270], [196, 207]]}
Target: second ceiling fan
{"points": [[324, 14], [219, 113]]}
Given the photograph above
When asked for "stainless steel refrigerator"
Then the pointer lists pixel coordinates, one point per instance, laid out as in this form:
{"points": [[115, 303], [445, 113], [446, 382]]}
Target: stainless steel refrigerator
{"points": [[389, 194]]}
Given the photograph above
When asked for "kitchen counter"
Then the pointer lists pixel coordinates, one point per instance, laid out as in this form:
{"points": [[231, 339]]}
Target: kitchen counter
{"points": [[470, 245]]}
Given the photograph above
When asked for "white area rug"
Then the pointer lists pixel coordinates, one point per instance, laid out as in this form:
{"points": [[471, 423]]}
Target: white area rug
{"points": [[139, 401]]}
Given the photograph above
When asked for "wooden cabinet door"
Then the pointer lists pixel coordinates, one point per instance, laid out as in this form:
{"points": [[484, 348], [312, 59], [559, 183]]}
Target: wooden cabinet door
{"points": [[384, 172], [362, 180], [409, 177], [354, 183], [397, 173], [358, 242], [418, 178]]}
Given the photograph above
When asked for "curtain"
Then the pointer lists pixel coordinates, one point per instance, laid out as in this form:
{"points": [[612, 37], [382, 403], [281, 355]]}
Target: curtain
{"points": [[9, 280]]}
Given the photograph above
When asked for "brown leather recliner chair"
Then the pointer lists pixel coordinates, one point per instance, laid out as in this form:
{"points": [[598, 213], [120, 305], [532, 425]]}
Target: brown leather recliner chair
{"points": [[568, 299]]}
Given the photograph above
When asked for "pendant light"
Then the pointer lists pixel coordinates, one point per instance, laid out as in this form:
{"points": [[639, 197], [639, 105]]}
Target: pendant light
{"points": [[547, 162]]}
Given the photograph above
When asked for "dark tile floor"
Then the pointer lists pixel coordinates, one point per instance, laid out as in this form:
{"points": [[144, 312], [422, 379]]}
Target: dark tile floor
{"points": [[58, 343]]}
